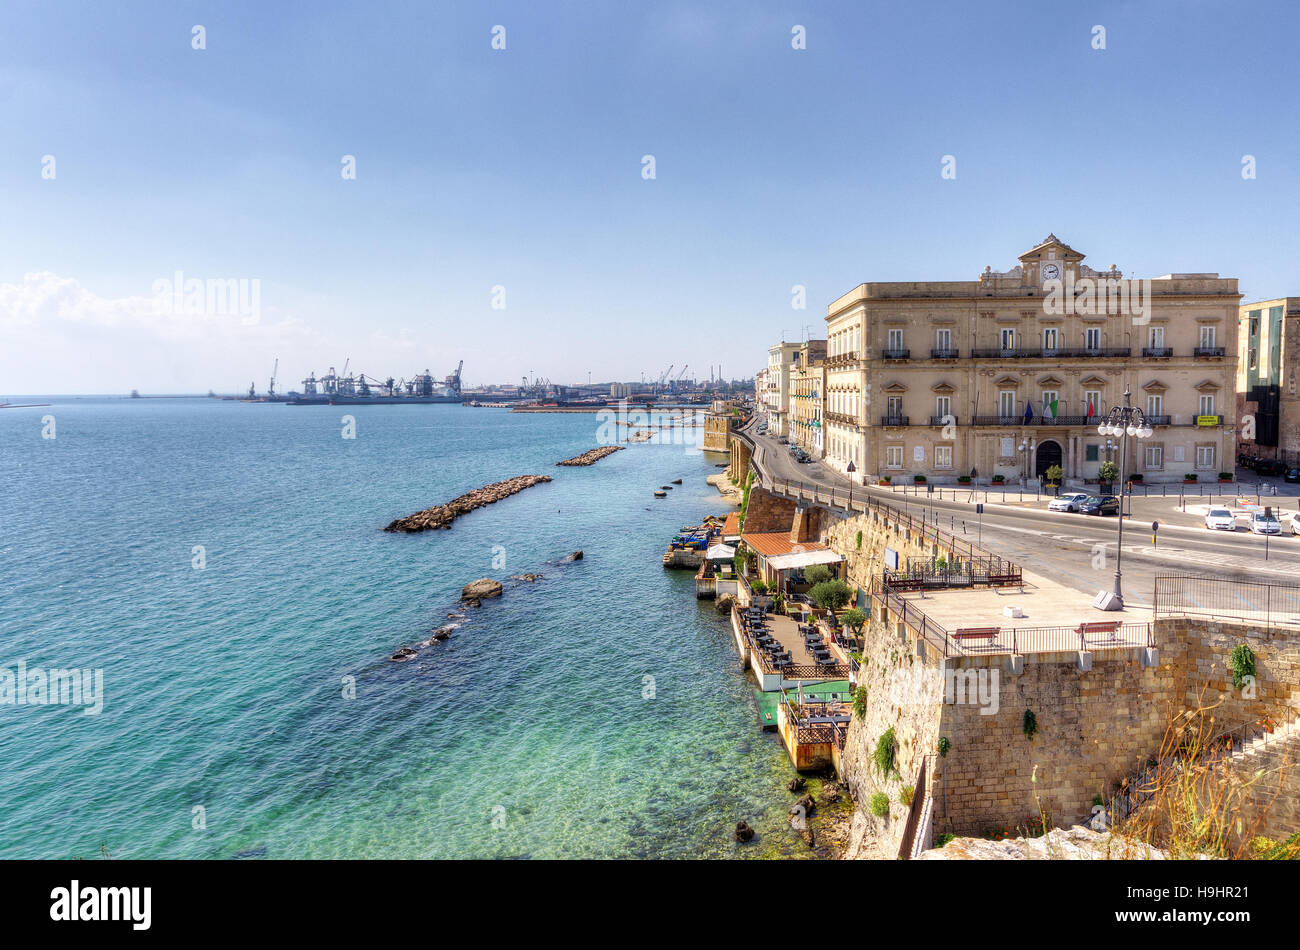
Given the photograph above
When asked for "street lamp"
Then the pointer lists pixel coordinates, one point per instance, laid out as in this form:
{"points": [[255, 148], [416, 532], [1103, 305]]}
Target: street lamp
{"points": [[1122, 422], [1027, 446]]}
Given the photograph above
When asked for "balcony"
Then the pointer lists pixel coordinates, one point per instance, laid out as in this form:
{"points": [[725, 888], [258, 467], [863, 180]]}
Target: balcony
{"points": [[1037, 420], [1157, 352], [895, 421], [842, 361], [841, 418], [939, 421], [1206, 422], [1208, 352], [895, 354], [1044, 353], [1157, 420], [945, 354]]}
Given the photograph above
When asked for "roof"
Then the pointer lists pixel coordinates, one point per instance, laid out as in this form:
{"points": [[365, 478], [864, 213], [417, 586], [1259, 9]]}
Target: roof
{"points": [[731, 527], [785, 562], [720, 552], [778, 542]]}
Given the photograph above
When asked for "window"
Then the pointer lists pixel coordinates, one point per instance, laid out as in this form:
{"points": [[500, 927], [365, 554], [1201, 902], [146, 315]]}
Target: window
{"points": [[1008, 338], [1207, 404], [943, 406], [943, 456], [1207, 335], [895, 339], [1092, 338], [1156, 337], [1049, 397], [1155, 456], [1155, 405], [893, 456], [1007, 402], [943, 339], [1254, 357], [894, 406], [1091, 452], [1205, 456], [1092, 398], [1049, 338]]}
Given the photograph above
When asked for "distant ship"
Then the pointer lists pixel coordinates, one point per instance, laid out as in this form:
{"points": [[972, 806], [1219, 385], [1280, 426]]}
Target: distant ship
{"points": [[344, 390]]}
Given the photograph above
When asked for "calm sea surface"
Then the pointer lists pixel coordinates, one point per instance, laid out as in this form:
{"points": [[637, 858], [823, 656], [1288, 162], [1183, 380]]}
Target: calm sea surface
{"points": [[524, 735]]}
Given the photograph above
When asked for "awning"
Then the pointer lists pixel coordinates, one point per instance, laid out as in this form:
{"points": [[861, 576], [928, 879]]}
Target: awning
{"points": [[720, 552], [785, 562]]}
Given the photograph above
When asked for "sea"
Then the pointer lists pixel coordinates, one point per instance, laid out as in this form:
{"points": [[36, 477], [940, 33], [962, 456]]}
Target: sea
{"points": [[222, 566]]}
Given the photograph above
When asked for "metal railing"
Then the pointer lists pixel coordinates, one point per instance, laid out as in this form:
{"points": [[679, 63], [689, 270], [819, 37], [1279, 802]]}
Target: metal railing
{"points": [[895, 354], [1048, 353], [1207, 351], [914, 813], [938, 354], [1217, 598], [1157, 352], [895, 421]]}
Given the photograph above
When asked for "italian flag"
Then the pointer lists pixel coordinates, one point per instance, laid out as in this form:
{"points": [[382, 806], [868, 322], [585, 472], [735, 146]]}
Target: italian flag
{"points": [[1051, 407]]}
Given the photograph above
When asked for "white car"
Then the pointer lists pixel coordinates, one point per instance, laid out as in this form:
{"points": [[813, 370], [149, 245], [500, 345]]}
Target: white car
{"points": [[1221, 518], [1295, 524], [1261, 523], [1068, 502]]}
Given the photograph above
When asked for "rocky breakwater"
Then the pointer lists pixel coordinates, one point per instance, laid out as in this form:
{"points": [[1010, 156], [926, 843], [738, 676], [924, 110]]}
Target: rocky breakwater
{"points": [[440, 517], [593, 456]]}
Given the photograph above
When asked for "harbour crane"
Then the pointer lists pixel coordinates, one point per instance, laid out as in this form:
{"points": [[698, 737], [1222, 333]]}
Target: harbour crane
{"points": [[270, 390]]}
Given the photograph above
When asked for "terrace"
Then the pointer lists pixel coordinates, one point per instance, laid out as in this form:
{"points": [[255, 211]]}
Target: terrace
{"points": [[1039, 616], [784, 650]]}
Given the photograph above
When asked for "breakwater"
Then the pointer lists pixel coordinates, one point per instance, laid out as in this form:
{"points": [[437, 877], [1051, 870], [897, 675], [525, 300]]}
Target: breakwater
{"points": [[593, 456], [440, 517]]}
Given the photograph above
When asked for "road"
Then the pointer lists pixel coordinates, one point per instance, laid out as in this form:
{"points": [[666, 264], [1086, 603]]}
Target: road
{"points": [[1079, 550]]}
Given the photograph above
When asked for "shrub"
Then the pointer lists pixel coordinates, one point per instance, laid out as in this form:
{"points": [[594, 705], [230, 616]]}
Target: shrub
{"points": [[1108, 472], [1055, 473], [1268, 850], [879, 805], [1136, 477], [831, 595], [1030, 725], [817, 573], [1225, 476], [859, 540], [758, 586], [963, 479], [1242, 663], [854, 619], [999, 479], [943, 839], [907, 794], [886, 479], [918, 479], [944, 746], [860, 702], [885, 752], [1189, 477]]}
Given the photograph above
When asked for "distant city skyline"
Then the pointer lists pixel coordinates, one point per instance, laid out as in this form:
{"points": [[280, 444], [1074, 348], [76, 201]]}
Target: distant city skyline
{"points": [[501, 212]]}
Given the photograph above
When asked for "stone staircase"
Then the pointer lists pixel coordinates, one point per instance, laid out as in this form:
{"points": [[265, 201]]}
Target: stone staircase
{"points": [[1271, 761]]}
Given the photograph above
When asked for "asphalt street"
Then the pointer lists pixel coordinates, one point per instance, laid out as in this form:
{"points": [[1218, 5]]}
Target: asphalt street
{"points": [[1079, 550]]}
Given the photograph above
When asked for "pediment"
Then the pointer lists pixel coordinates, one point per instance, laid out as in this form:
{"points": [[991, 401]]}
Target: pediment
{"points": [[1048, 246], [1093, 380], [943, 388], [1207, 386], [1049, 381], [1155, 386], [1007, 381], [894, 387]]}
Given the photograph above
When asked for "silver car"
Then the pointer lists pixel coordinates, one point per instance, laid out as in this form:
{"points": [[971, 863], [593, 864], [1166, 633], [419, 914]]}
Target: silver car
{"points": [[1221, 519], [1068, 502], [1264, 524]]}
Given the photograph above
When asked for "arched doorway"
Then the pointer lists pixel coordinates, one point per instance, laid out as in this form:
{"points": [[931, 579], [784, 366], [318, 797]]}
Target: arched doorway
{"points": [[1049, 454]]}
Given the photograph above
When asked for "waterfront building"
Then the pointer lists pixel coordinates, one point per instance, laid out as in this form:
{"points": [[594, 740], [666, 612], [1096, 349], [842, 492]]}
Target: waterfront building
{"points": [[1268, 351], [807, 381], [1010, 373], [717, 423], [780, 364]]}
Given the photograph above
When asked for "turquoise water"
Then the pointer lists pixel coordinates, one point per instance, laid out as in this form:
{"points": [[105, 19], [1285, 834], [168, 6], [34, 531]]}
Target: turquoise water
{"points": [[525, 734]]}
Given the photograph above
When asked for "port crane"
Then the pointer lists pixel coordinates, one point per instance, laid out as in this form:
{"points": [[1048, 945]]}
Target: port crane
{"points": [[270, 390]]}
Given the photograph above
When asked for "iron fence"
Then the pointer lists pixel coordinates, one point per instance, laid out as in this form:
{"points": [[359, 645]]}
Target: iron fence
{"points": [[1216, 598]]}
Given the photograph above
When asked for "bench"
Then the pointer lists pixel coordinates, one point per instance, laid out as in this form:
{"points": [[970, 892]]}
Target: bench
{"points": [[977, 633], [1107, 627]]}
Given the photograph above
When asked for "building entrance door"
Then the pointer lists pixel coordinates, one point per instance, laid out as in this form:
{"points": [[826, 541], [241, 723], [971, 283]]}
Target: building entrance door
{"points": [[1049, 454]]}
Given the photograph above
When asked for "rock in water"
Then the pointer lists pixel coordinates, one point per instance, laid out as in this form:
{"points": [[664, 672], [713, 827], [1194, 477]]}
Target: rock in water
{"points": [[441, 516], [744, 833], [481, 589], [402, 655], [797, 784], [442, 633], [575, 556]]}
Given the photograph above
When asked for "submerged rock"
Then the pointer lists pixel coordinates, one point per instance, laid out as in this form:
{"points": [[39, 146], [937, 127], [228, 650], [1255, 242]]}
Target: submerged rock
{"points": [[442, 633], [575, 556], [744, 833], [402, 655], [480, 589], [797, 784]]}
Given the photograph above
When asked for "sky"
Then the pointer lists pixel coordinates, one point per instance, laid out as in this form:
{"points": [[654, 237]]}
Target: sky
{"points": [[501, 212]]}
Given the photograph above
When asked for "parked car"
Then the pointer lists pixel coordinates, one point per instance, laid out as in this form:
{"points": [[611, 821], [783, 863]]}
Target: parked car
{"points": [[1068, 502], [1221, 519], [1292, 475], [1269, 467], [1261, 523], [1099, 505], [803, 457], [782, 439], [1295, 524]]}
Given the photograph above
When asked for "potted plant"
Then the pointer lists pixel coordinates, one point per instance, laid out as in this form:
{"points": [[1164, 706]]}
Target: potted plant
{"points": [[885, 479], [1135, 478], [1108, 472], [999, 479], [1054, 475], [963, 479], [1225, 476], [1189, 477], [918, 479]]}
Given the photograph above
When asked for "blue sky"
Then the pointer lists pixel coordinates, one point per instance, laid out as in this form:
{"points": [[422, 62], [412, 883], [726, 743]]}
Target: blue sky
{"points": [[522, 168]]}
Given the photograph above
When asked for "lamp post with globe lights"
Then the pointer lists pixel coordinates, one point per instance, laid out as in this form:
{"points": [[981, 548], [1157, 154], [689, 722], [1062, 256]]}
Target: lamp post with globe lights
{"points": [[1122, 422]]}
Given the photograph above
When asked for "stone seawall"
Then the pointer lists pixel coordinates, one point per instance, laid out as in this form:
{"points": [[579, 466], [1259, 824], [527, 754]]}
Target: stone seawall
{"points": [[440, 517], [592, 456]]}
